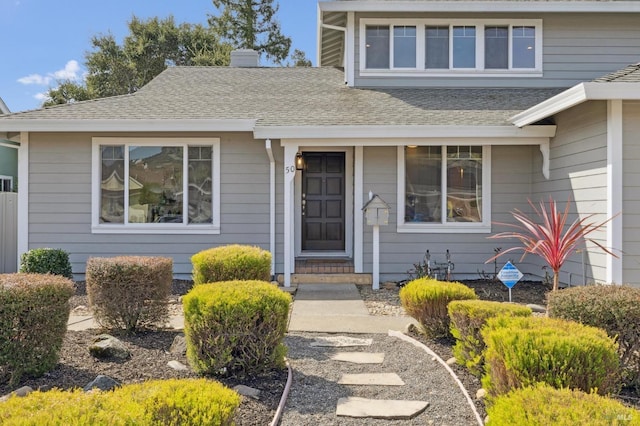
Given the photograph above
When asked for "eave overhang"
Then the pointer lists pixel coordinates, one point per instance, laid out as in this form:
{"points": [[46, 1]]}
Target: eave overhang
{"points": [[578, 94], [481, 6]]}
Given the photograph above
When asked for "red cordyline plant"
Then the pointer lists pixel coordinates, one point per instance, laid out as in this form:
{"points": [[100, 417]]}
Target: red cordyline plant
{"points": [[549, 240]]}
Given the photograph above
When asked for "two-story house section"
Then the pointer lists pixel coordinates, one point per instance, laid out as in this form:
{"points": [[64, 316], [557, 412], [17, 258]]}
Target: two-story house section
{"points": [[453, 113]]}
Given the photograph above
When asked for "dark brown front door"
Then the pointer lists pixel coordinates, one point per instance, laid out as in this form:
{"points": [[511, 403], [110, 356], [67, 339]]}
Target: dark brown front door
{"points": [[323, 209]]}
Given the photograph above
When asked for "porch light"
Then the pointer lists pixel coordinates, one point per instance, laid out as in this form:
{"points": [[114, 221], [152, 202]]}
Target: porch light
{"points": [[299, 161]]}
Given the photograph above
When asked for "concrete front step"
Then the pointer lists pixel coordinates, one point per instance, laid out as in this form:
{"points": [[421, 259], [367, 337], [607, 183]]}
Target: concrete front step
{"points": [[338, 278], [371, 379], [379, 408]]}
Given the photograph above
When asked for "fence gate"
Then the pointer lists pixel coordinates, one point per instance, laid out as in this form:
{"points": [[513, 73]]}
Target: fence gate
{"points": [[8, 232]]}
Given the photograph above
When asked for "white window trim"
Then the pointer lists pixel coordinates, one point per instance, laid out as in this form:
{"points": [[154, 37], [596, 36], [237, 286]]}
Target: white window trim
{"points": [[479, 70], [10, 179], [153, 228], [446, 227]]}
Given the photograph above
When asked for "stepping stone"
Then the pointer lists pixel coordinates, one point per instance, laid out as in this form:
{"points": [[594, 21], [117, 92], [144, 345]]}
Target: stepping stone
{"points": [[383, 379], [340, 341], [379, 408], [359, 357]]}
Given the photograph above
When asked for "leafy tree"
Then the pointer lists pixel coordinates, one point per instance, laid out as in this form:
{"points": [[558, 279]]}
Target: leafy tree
{"points": [[299, 59], [67, 92], [150, 47], [251, 24]]}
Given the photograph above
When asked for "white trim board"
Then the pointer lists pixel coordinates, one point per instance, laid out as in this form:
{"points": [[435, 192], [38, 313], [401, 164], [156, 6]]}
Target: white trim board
{"points": [[480, 6], [589, 91]]}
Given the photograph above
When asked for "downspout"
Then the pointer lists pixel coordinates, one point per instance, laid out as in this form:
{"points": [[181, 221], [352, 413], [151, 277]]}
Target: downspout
{"points": [[272, 206]]}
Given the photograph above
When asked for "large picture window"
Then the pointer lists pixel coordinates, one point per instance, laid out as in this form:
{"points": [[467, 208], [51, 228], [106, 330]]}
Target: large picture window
{"points": [[456, 47], [443, 186], [160, 184]]}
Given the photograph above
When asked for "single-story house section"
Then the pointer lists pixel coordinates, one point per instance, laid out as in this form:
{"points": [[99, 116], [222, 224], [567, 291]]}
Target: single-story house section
{"points": [[285, 158]]}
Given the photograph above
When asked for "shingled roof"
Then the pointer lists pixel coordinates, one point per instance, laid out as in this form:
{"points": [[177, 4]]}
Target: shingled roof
{"points": [[281, 96], [629, 74]]}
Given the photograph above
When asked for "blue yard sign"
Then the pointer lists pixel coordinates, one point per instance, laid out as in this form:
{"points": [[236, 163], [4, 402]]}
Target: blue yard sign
{"points": [[509, 275]]}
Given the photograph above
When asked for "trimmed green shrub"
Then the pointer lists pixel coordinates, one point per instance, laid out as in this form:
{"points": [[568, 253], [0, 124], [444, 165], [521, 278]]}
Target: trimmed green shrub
{"points": [[232, 262], [236, 327], [467, 319], [426, 300], [522, 351], [159, 402], [615, 309], [34, 311], [46, 261], [543, 405], [129, 292]]}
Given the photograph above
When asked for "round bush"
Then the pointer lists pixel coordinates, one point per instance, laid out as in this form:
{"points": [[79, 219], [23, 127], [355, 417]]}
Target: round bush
{"points": [[522, 351], [46, 261], [613, 308], [129, 292], [189, 402], [426, 300], [236, 327], [232, 262], [543, 405], [34, 311], [467, 319]]}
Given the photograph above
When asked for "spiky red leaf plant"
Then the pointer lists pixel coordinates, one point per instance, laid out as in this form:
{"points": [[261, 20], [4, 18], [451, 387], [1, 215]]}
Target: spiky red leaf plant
{"points": [[549, 239]]}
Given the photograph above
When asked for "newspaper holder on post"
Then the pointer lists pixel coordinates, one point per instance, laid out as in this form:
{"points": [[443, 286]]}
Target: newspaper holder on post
{"points": [[376, 213]]}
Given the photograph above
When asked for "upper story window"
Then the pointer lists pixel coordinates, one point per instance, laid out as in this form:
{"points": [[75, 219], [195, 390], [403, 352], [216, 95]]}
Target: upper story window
{"points": [[451, 47], [159, 185]]}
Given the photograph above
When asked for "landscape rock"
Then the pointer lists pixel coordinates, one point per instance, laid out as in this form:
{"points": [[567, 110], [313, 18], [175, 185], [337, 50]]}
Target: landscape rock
{"points": [[178, 366], [107, 346], [101, 382], [481, 393], [340, 341], [537, 308], [179, 345], [20, 392], [451, 361], [247, 391]]}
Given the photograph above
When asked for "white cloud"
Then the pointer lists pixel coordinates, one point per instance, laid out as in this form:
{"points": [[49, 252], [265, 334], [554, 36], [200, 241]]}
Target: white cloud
{"points": [[41, 96], [71, 71], [35, 79]]}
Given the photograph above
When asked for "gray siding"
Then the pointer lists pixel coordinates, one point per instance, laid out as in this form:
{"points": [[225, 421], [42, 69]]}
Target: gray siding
{"points": [[631, 193], [60, 202], [511, 185], [578, 171], [575, 48]]}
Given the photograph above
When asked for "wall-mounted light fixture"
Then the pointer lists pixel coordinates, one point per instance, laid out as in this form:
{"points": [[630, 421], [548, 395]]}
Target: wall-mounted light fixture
{"points": [[299, 161]]}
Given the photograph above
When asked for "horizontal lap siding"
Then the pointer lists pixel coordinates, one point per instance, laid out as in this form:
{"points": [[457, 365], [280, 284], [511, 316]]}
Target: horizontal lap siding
{"points": [[576, 47], [60, 202], [511, 185], [578, 162], [631, 193]]}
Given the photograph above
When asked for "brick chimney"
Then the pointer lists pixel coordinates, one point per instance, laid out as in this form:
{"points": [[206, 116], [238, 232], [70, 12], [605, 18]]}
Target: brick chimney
{"points": [[245, 58]]}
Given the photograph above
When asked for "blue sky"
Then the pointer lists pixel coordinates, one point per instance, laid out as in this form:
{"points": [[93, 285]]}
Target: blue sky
{"points": [[46, 40]]}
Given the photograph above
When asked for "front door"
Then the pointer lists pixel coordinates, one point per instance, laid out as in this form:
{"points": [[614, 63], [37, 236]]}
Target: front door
{"points": [[323, 201]]}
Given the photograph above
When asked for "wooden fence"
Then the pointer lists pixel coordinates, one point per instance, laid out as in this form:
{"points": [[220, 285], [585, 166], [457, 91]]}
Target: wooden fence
{"points": [[8, 232]]}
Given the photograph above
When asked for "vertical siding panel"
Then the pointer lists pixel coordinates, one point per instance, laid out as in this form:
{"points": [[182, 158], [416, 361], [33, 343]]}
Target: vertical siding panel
{"points": [[578, 170], [631, 193]]}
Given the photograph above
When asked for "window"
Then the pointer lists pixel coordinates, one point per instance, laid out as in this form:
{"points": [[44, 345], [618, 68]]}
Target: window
{"points": [[156, 185], [377, 46], [404, 47], [460, 47], [443, 187], [6, 184]]}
